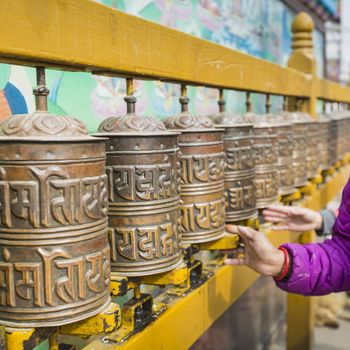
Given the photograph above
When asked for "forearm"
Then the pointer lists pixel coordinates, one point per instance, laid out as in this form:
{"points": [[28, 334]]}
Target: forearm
{"points": [[318, 268]]}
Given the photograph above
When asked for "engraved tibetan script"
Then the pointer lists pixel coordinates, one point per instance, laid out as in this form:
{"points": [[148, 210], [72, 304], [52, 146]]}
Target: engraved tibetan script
{"points": [[240, 157], [202, 168], [51, 198], [266, 187], [142, 182], [241, 195], [144, 242], [202, 215], [57, 278]]}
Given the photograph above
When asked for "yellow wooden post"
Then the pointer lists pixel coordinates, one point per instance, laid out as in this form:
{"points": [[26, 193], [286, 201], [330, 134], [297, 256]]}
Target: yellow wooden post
{"points": [[302, 57], [300, 315]]}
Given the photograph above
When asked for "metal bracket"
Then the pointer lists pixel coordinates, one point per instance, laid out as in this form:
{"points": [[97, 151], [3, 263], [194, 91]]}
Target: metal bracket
{"points": [[104, 322], [308, 189], [293, 197], [227, 242]]}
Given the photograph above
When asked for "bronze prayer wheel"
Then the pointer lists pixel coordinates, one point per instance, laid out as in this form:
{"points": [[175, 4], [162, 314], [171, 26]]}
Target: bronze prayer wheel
{"points": [[54, 255], [240, 167], [265, 155], [284, 134], [324, 140], [300, 129], [143, 172], [202, 177]]}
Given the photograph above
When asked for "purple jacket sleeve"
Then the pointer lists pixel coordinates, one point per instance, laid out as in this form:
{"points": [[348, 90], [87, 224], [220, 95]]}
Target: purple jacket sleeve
{"points": [[323, 268]]}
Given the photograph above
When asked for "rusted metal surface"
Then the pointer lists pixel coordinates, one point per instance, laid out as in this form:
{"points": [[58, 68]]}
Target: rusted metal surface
{"points": [[240, 167], [202, 177], [265, 155], [54, 255], [143, 170]]}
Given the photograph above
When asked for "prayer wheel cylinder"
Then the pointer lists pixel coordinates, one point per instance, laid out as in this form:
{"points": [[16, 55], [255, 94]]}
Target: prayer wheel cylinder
{"points": [[143, 172], [54, 254], [202, 178], [300, 129], [324, 142], [284, 134], [240, 167], [265, 155]]}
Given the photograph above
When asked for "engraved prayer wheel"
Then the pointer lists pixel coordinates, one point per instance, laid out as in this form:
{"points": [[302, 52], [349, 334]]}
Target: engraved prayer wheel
{"points": [[265, 155], [240, 167], [324, 125], [312, 156], [54, 254], [143, 172], [284, 134], [202, 177], [300, 129]]}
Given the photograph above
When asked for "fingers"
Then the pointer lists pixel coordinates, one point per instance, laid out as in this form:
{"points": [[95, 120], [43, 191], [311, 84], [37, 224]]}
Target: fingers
{"points": [[231, 229], [247, 234], [237, 261], [280, 227], [267, 212], [273, 219], [236, 251], [297, 210], [282, 209]]}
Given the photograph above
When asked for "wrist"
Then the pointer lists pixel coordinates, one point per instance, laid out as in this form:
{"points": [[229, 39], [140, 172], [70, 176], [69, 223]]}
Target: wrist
{"points": [[287, 266], [318, 221], [278, 263]]}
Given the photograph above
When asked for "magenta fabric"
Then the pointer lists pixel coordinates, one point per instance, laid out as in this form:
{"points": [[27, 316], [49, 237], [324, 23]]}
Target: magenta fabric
{"points": [[323, 268]]}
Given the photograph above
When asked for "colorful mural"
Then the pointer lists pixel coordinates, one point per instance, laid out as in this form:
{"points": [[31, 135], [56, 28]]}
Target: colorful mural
{"points": [[258, 27]]}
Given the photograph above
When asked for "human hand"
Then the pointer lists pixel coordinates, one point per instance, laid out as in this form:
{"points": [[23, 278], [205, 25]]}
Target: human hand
{"points": [[293, 218], [258, 252]]}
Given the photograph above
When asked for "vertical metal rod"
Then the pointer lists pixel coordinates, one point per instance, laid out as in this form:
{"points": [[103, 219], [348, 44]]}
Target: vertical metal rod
{"points": [[41, 91], [130, 99], [285, 104], [137, 292], [268, 103], [53, 342], [184, 100], [221, 101], [248, 102], [324, 107]]}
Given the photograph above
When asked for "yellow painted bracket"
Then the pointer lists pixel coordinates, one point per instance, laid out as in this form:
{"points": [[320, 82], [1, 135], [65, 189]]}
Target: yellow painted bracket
{"points": [[318, 179], [328, 172], [26, 338], [104, 322], [228, 241], [308, 189], [295, 196], [175, 277]]}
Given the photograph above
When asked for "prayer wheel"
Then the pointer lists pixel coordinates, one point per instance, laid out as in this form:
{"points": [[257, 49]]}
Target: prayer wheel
{"points": [[284, 134], [240, 167], [143, 171], [55, 256], [324, 141], [202, 175], [300, 129], [265, 155], [54, 253]]}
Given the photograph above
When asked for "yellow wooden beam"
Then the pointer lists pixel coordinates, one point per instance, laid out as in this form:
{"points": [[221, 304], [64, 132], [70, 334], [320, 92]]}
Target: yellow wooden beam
{"points": [[84, 35]]}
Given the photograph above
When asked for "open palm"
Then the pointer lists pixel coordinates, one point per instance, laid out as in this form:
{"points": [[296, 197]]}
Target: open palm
{"points": [[293, 218]]}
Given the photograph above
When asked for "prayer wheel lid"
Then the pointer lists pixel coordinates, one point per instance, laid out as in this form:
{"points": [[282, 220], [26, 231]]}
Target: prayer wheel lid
{"points": [[297, 117], [258, 120], [227, 120], [132, 125], [277, 120], [42, 126], [187, 122]]}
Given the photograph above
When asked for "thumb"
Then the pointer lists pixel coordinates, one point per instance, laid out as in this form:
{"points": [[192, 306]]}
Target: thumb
{"points": [[246, 233]]}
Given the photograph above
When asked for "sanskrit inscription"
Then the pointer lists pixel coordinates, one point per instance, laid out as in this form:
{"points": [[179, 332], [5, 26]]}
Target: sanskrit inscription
{"points": [[240, 157], [266, 187], [202, 168], [142, 182], [265, 154], [202, 216], [241, 195], [55, 278], [50, 197], [143, 242]]}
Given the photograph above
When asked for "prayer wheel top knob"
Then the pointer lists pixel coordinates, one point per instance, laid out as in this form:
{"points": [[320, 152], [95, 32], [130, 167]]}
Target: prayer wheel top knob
{"points": [[186, 121], [132, 123], [302, 23], [229, 119], [43, 124]]}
